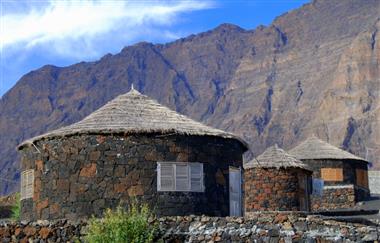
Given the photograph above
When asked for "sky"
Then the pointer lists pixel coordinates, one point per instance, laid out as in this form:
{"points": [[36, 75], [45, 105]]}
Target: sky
{"points": [[35, 33]]}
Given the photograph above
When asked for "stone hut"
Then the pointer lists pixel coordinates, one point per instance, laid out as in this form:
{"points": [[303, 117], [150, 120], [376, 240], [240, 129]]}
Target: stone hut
{"points": [[276, 181], [340, 179], [132, 148]]}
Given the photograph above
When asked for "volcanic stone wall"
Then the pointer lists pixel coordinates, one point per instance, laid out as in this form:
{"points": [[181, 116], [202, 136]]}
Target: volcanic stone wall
{"points": [[78, 176], [271, 189], [338, 194], [260, 227], [334, 197]]}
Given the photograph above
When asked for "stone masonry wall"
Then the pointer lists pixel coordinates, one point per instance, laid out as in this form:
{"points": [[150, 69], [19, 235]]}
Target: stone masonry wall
{"points": [[334, 197], [79, 176], [271, 189], [260, 227]]}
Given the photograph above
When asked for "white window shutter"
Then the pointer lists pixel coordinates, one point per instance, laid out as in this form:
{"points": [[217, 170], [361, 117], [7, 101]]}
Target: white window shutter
{"points": [[158, 176], [166, 177], [27, 184], [22, 191], [196, 177], [27, 187], [31, 184], [182, 177]]}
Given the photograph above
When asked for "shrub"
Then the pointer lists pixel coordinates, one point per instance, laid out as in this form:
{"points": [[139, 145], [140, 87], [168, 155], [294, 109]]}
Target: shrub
{"points": [[16, 208], [122, 225]]}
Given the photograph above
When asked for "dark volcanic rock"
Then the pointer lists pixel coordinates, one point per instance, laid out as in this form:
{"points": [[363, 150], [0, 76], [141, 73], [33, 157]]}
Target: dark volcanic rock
{"points": [[314, 70]]}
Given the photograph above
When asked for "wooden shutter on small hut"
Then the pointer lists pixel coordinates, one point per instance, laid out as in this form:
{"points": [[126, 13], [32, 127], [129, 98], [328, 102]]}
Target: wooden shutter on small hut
{"points": [[332, 174], [362, 178]]}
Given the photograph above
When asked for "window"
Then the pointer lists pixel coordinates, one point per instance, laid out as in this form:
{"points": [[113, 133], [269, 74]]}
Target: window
{"points": [[27, 180], [362, 178], [332, 174], [187, 177]]}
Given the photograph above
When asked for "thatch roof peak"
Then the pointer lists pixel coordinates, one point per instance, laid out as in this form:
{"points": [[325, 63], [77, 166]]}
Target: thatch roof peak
{"points": [[275, 157], [133, 91], [134, 113], [315, 148]]}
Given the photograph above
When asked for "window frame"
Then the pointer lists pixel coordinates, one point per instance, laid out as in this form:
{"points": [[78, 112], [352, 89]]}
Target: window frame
{"points": [[27, 184], [175, 175]]}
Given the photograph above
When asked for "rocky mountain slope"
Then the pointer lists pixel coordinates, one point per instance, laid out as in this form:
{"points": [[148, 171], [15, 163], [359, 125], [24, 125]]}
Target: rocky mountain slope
{"points": [[314, 70]]}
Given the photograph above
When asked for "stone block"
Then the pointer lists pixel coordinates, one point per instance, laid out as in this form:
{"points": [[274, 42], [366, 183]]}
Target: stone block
{"points": [[44, 233], [63, 185], [137, 190], [39, 165], [101, 139], [88, 171], [120, 188], [42, 204], [54, 208], [94, 155], [119, 171]]}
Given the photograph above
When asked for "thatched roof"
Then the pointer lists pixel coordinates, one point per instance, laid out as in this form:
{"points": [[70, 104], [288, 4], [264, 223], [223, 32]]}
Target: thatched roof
{"points": [[314, 148], [275, 157], [135, 113]]}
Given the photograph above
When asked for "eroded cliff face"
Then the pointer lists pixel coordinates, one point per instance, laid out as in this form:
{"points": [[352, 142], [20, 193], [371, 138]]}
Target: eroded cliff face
{"points": [[314, 70]]}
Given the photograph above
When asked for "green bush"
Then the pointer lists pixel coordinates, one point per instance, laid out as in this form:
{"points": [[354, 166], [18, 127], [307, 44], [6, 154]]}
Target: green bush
{"points": [[122, 225], [16, 208]]}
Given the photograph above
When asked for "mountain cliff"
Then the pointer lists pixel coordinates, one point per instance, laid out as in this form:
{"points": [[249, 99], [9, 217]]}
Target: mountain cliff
{"points": [[314, 70]]}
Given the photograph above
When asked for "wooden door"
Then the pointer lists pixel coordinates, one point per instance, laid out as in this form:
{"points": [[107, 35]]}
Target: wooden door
{"points": [[303, 192], [235, 191]]}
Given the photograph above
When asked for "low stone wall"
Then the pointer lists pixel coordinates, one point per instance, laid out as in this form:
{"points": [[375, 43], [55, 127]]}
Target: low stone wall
{"points": [[261, 227], [374, 181], [334, 197], [57, 231]]}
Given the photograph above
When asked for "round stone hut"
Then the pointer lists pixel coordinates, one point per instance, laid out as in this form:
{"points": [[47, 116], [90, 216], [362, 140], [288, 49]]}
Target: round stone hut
{"points": [[276, 181], [340, 179], [132, 148]]}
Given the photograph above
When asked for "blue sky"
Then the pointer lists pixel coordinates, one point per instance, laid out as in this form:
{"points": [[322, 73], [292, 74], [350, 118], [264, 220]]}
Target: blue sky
{"points": [[35, 33]]}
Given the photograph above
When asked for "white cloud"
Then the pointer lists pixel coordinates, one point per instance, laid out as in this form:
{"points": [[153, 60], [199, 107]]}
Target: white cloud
{"points": [[75, 27]]}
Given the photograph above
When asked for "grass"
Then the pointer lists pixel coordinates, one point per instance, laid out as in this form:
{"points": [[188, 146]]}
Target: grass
{"points": [[122, 225], [16, 208]]}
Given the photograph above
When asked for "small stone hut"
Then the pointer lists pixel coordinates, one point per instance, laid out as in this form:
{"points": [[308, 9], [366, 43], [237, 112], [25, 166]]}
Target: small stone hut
{"points": [[131, 148], [340, 179], [276, 181]]}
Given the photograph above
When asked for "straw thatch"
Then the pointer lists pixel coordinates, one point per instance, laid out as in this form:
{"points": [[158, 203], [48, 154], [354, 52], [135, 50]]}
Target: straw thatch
{"points": [[314, 148], [275, 157], [135, 113]]}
